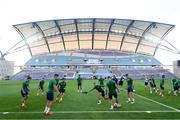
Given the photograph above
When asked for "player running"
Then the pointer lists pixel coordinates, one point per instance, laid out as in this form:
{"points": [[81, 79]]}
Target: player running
{"points": [[112, 87], [79, 82], [130, 89], [25, 91], [41, 87], [50, 94], [162, 86], [145, 81], [62, 90], [152, 84]]}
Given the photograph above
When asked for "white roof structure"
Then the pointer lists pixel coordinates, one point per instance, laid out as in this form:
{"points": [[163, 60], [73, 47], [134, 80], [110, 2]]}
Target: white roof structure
{"points": [[53, 36]]}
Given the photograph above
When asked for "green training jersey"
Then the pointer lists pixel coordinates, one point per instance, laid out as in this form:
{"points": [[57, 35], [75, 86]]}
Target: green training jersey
{"points": [[79, 80], [101, 81], [57, 81], [111, 86], [173, 81], [51, 85], [177, 83], [129, 81], [98, 88], [115, 80], [62, 85], [162, 81], [153, 81], [25, 85], [63, 78], [150, 80], [41, 83]]}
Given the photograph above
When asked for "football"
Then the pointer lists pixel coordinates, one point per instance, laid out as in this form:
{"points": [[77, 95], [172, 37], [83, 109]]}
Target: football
{"points": [[115, 105]]}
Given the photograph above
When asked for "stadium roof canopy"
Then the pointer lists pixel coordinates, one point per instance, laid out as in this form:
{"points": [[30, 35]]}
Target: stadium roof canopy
{"points": [[53, 36]]}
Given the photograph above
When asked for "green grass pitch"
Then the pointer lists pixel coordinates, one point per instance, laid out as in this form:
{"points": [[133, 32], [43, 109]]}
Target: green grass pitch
{"points": [[80, 106]]}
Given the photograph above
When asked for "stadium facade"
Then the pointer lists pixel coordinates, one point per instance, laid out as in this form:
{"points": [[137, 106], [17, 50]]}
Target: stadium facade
{"points": [[6, 69], [92, 46], [176, 68]]}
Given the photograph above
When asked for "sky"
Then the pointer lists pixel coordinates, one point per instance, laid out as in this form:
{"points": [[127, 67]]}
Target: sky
{"points": [[22, 11]]}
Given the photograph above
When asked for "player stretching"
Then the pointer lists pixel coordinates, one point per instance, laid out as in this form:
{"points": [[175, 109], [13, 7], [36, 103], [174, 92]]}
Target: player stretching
{"points": [[173, 81], [79, 81], [57, 80], [41, 87], [121, 82], [25, 91], [62, 89], [101, 92], [130, 89], [115, 79], [101, 81], [176, 87], [162, 86], [50, 94], [112, 86]]}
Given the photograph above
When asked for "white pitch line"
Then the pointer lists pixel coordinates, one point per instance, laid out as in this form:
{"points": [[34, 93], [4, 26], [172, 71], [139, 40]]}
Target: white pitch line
{"points": [[158, 103], [167, 111]]}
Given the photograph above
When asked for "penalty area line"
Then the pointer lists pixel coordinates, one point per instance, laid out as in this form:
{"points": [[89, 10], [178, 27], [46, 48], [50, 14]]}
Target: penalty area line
{"points": [[77, 112], [167, 106]]}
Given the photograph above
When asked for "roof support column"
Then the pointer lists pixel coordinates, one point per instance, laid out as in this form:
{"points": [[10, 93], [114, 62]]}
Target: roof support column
{"points": [[41, 31], [128, 27], [143, 34], [112, 22], [75, 22], [23, 37], [62, 37], [93, 30], [163, 38]]}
